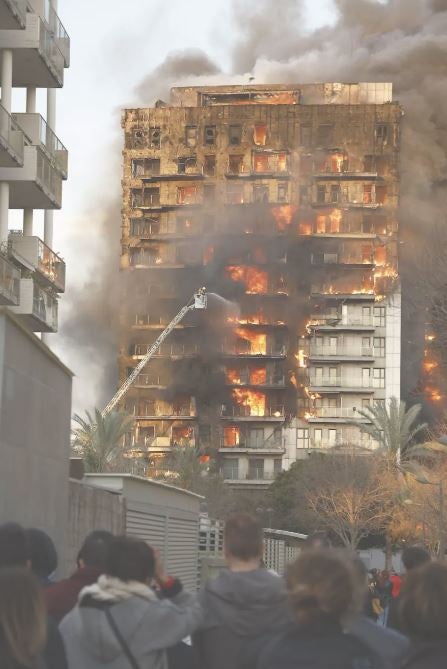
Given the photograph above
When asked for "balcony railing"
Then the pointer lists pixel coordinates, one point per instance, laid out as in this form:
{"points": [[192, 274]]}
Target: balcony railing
{"points": [[32, 251], [45, 307], [51, 52], [50, 181], [167, 350], [269, 351], [11, 136], [254, 475], [338, 320], [255, 446], [341, 381], [245, 411], [148, 380], [334, 412], [341, 351], [9, 283], [165, 411], [60, 34]]}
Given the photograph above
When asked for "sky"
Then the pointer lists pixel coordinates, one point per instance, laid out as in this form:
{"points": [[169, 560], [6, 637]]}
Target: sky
{"points": [[114, 44]]}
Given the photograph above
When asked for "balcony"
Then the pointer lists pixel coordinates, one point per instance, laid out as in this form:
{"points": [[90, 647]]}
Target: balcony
{"points": [[364, 354], [41, 51], [11, 141], [13, 14], [35, 255], [245, 412], [167, 351], [36, 185], [334, 414], [342, 259], [167, 411], [40, 134], [339, 384], [255, 351], [149, 381], [270, 381], [257, 478], [37, 307], [9, 283], [338, 322]]}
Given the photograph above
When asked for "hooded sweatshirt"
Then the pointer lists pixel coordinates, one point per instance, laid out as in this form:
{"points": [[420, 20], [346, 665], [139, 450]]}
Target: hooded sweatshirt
{"points": [[148, 625], [242, 611]]}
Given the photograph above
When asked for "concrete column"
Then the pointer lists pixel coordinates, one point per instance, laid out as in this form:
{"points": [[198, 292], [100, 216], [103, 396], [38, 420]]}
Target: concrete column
{"points": [[4, 211], [51, 120], [28, 214], [31, 95], [6, 84]]}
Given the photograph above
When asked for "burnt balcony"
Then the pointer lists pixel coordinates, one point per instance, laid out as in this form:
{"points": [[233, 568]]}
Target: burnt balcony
{"points": [[166, 351], [41, 49], [346, 259], [11, 141], [13, 14], [149, 381], [36, 185], [267, 381], [39, 133], [33, 254], [9, 283], [333, 321], [165, 410], [253, 412], [255, 350], [38, 308]]}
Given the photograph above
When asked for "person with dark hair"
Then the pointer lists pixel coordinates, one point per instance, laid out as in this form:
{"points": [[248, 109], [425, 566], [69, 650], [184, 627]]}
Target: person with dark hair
{"points": [[15, 553], [120, 622], [43, 554], [61, 597], [22, 619], [413, 557], [316, 540], [322, 592], [386, 643], [244, 605], [423, 608]]}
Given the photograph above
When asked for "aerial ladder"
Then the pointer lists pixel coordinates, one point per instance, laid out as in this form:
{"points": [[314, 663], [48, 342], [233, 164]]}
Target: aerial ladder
{"points": [[198, 301]]}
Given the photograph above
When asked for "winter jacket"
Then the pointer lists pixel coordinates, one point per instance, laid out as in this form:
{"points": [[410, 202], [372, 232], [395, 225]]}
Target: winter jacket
{"points": [[242, 610], [322, 645], [387, 644], [427, 656], [53, 654], [61, 597], [148, 625]]}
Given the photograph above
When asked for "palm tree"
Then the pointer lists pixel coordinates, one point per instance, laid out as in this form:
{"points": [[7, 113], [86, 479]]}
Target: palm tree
{"points": [[99, 438], [393, 427]]}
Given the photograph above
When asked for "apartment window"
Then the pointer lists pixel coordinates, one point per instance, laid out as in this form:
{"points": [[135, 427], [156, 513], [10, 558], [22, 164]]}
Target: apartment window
{"points": [[191, 136], [232, 437], [235, 135], [145, 167], [146, 408], [256, 468], [306, 136], [379, 347], [366, 345], [369, 164], [204, 435], [318, 437], [186, 164], [235, 164], [187, 195], [366, 374], [302, 438], [231, 469], [325, 135], [381, 194], [335, 193], [154, 138], [261, 162], [260, 134], [332, 437], [306, 165], [209, 193], [304, 194], [209, 135], [283, 192], [277, 466], [379, 317], [378, 378], [367, 225], [367, 194], [366, 403], [366, 315], [209, 166], [321, 194], [260, 194], [382, 134], [235, 194], [256, 438], [185, 224]]}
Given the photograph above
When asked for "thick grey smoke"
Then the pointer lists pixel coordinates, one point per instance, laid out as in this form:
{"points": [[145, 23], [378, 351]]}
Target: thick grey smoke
{"points": [[402, 41]]}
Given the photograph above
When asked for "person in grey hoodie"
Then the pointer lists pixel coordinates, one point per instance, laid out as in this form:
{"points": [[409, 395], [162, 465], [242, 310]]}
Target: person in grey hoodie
{"points": [[244, 606], [389, 645], [120, 622]]}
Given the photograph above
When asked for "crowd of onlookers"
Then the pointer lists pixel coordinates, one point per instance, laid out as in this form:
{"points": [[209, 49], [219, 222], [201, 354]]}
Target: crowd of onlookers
{"points": [[120, 610]]}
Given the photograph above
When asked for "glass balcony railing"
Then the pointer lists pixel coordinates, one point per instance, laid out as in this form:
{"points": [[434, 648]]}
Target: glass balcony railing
{"points": [[245, 411], [59, 33], [51, 52], [48, 178], [45, 307], [328, 351], [9, 283], [11, 136], [40, 134]]}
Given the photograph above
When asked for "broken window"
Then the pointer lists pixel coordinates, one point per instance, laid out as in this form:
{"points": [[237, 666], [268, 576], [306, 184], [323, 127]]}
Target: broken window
{"points": [[210, 135], [235, 164], [367, 253], [304, 194], [191, 136], [335, 193], [321, 194], [260, 134], [154, 138], [382, 134], [282, 162], [283, 191], [306, 164], [369, 164], [381, 194], [367, 225], [140, 227], [231, 437], [187, 165], [185, 224], [325, 134], [367, 193], [187, 195], [261, 162], [235, 194], [306, 135], [209, 166], [209, 193], [235, 135], [151, 197], [136, 196], [145, 167], [380, 255], [260, 194]]}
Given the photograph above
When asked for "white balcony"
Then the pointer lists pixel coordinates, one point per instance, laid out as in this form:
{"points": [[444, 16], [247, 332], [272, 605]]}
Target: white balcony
{"points": [[334, 413], [36, 256], [37, 307], [348, 352], [11, 141], [13, 14], [340, 384], [40, 52], [36, 185], [39, 133], [9, 283]]}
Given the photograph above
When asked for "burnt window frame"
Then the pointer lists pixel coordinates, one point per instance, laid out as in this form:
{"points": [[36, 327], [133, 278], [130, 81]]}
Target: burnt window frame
{"points": [[155, 137], [191, 142], [213, 135], [234, 135]]}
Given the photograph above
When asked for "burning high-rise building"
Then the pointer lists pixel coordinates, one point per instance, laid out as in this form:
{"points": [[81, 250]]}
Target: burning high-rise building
{"points": [[282, 199]]}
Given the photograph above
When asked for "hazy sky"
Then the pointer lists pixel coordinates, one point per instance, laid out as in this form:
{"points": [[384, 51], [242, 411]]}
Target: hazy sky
{"points": [[114, 44]]}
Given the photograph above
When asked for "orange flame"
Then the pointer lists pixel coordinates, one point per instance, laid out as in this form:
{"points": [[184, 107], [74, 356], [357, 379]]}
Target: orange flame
{"points": [[257, 341], [255, 280], [300, 356], [231, 436], [283, 216], [258, 376], [253, 400], [305, 228]]}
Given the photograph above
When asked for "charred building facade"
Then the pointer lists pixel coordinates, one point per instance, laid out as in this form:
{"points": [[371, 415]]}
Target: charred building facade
{"points": [[283, 200]]}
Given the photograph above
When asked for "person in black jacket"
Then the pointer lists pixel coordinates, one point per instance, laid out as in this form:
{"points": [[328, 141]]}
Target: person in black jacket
{"points": [[322, 592], [413, 557], [15, 552], [423, 614]]}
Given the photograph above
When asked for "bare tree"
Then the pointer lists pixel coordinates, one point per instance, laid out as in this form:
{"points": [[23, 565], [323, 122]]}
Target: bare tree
{"points": [[348, 494]]}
